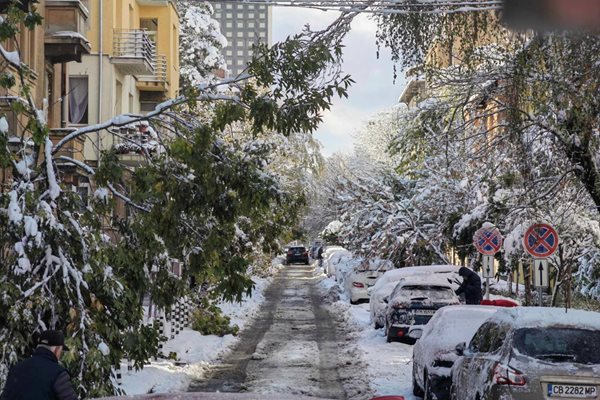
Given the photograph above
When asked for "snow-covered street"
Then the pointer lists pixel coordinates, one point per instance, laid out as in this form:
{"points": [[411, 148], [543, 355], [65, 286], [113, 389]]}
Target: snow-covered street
{"points": [[295, 345]]}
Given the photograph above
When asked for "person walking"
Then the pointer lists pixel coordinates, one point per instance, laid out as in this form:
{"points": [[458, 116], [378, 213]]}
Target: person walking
{"points": [[41, 377], [471, 286], [320, 256]]}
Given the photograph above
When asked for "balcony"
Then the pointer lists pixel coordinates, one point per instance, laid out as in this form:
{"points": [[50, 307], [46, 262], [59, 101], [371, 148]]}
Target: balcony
{"points": [[65, 27], [138, 142], [158, 81], [133, 52]]}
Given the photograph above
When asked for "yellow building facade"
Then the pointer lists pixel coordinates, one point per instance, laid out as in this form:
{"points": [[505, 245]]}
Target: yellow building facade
{"points": [[133, 64]]}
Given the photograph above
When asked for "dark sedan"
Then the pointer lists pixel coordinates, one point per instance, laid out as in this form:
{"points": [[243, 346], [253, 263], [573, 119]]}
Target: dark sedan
{"points": [[297, 255]]}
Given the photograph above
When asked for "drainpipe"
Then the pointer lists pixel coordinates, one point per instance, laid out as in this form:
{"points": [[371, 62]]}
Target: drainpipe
{"points": [[100, 81]]}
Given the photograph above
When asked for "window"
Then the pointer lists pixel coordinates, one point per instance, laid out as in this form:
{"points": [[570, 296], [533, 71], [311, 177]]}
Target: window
{"points": [[262, 25], [228, 52], [240, 53], [228, 6], [250, 15], [251, 24], [240, 24], [240, 43], [240, 62], [229, 15], [240, 15], [83, 190], [239, 34], [489, 338], [250, 34], [229, 24], [78, 100]]}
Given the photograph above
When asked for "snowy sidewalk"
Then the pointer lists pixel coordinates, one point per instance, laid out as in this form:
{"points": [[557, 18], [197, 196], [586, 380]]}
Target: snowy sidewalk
{"points": [[195, 352]]}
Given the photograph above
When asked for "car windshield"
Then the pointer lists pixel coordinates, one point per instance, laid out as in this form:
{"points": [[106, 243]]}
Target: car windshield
{"points": [[433, 293], [559, 344], [296, 249]]}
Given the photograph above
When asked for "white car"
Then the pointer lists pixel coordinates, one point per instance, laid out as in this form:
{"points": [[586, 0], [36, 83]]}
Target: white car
{"points": [[357, 282], [434, 353], [384, 286], [413, 302]]}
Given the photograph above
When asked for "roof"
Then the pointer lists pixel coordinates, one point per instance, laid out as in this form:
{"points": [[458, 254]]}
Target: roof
{"points": [[531, 317]]}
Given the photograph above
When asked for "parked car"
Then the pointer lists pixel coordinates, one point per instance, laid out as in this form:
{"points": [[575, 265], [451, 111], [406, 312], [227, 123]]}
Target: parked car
{"points": [[413, 302], [358, 281], [531, 353], [434, 353], [297, 254], [386, 284], [334, 257]]}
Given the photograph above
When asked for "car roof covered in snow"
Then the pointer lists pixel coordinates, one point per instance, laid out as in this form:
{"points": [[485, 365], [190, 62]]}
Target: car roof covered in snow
{"points": [[424, 280], [397, 274], [532, 317], [452, 325]]}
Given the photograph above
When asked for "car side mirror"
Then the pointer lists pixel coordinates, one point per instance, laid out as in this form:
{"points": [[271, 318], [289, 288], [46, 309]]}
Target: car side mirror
{"points": [[386, 300], [415, 333], [460, 349]]}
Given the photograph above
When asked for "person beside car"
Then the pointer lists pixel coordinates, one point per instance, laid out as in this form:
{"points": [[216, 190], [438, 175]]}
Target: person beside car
{"points": [[41, 377], [471, 286]]}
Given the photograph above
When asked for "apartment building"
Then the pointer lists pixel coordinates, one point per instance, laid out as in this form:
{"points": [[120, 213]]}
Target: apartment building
{"points": [[133, 65], [243, 25], [49, 51]]}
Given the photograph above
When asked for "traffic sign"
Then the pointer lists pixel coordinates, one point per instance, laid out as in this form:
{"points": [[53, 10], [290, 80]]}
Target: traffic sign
{"points": [[541, 276], [489, 270], [488, 240], [541, 240]]}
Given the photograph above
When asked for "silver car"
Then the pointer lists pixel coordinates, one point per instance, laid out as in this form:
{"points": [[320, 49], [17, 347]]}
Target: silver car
{"points": [[529, 353], [433, 354]]}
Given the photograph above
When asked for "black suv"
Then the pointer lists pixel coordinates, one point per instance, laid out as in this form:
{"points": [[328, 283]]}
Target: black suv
{"points": [[296, 254]]}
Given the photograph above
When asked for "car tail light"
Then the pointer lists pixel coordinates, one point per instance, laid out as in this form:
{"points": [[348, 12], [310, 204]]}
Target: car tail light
{"points": [[505, 375], [400, 334], [358, 284], [306, 253]]}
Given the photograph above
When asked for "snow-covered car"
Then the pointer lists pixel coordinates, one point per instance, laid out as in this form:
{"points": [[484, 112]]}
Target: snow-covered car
{"points": [[530, 353], [413, 302], [434, 353], [386, 284], [357, 282], [333, 257]]}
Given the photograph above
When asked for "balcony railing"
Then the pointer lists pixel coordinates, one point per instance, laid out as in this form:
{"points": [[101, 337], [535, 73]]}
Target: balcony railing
{"points": [[133, 51], [156, 82]]}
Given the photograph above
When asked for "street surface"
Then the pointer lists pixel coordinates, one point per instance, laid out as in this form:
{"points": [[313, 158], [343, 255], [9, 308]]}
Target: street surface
{"points": [[293, 346]]}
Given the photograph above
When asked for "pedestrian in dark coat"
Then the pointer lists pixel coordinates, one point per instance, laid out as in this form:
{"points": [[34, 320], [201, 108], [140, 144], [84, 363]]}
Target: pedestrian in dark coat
{"points": [[41, 377], [471, 286]]}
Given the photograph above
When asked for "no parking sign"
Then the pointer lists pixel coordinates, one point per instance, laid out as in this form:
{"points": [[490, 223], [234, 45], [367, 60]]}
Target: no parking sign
{"points": [[540, 240]]}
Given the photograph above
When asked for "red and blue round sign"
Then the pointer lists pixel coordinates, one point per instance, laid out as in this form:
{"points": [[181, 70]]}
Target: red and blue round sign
{"points": [[541, 240], [488, 240]]}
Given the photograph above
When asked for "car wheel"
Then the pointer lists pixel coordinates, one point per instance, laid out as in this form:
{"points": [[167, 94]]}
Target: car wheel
{"points": [[417, 391], [387, 335], [378, 325]]}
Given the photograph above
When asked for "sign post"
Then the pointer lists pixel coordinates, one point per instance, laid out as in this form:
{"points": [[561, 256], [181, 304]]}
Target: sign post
{"points": [[488, 241], [541, 241]]}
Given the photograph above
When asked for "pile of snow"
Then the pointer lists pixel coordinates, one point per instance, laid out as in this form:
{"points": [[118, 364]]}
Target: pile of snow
{"points": [[195, 352]]}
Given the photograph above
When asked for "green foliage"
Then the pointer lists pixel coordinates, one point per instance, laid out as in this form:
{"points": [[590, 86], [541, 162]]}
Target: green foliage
{"points": [[208, 320]]}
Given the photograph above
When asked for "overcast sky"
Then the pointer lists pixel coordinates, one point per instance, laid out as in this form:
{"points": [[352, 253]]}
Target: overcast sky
{"points": [[374, 89]]}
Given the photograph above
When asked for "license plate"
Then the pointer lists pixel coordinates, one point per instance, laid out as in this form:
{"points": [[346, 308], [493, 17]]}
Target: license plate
{"points": [[572, 391], [424, 312]]}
